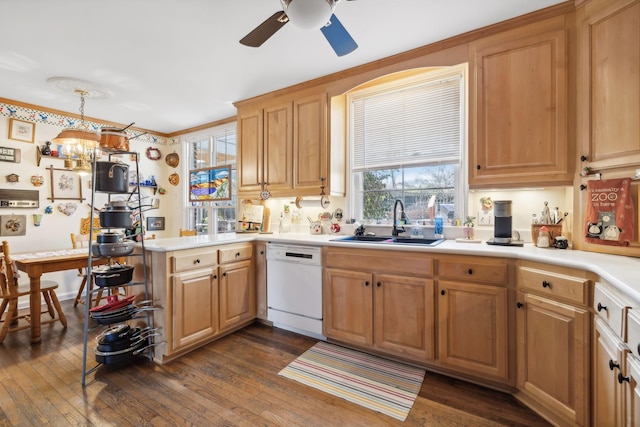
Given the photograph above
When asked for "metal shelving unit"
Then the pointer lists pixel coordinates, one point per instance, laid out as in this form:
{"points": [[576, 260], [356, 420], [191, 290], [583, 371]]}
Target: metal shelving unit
{"points": [[91, 324]]}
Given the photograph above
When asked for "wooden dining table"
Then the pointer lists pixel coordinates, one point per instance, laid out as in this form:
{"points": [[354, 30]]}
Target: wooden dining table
{"points": [[35, 264]]}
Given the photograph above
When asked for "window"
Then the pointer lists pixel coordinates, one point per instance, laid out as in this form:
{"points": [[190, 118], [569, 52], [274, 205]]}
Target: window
{"points": [[216, 148], [406, 140]]}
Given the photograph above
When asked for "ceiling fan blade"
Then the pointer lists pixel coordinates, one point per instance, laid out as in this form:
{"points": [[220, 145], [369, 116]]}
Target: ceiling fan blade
{"points": [[338, 37], [265, 30]]}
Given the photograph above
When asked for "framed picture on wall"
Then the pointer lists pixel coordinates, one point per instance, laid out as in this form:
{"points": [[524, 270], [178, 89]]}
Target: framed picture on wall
{"points": [[65, 185], [21, 130], [210, 184], [155, 223]]}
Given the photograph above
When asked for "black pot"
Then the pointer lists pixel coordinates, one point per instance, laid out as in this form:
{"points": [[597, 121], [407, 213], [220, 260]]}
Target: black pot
{"points": [[115, 217], [108, 357], [108, 237], [112, 249], [113, 275], [112, 177]]}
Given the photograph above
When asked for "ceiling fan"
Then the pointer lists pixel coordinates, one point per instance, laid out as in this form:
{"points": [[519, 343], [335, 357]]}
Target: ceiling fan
{"points": [[308, 15]]}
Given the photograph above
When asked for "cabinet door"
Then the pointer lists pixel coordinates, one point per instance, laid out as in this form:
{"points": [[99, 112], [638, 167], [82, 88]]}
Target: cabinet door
{"points": [[518, 110], [608, 95], [278, 148], [250, 145], [194, 307], [553, 357], [261, 280], [348, 306], [237, 294], [608, 360], [310, 153], [632, 392], [472, 328], [404, 316]]}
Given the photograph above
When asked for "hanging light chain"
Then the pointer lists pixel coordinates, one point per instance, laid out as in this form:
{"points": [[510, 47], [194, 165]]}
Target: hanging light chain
{"points": [[82, 94]]}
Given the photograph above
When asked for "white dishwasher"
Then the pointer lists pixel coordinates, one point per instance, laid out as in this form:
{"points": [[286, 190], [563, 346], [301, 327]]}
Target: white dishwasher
{"points": [[294, 288]]}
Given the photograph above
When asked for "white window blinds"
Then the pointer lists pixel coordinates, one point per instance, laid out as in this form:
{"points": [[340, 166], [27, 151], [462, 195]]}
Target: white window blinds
{"points": [[419, 124]]}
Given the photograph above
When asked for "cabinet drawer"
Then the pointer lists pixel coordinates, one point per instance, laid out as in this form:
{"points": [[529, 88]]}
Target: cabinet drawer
{"points": [[485, 270], [554, 284], [235, 253], [192, 260], [379, 261], [633, 331], [610, 308]]}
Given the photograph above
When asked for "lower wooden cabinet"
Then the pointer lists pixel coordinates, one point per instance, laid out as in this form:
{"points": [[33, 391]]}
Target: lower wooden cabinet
{"points": [[195, 307], [348, 306], [553, 358], [387, 312], [203, 293], [631, 392], [472, 328], [237, 294], [403, 310], [553, 340], [609, 361]]}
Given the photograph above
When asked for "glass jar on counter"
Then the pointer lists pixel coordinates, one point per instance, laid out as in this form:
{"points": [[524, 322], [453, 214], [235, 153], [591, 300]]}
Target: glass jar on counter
{"points": [[543, 238]]}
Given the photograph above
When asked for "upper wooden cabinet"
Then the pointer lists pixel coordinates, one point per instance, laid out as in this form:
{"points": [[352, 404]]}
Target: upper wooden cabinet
{"points": [[310, 148], [283, 147], [265, 149], [518, 107], [608, 83]]}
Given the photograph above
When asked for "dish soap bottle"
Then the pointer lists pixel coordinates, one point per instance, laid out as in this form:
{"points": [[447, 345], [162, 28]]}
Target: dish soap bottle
{"points": [[438, 230]]}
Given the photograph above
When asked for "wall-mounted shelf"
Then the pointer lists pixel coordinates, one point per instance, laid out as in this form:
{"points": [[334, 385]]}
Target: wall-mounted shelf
{"points": [[40, 156], [155, 187]]}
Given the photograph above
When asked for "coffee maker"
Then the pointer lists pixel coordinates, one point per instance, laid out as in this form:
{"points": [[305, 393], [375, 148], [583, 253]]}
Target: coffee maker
{"points": [[502, 221]]}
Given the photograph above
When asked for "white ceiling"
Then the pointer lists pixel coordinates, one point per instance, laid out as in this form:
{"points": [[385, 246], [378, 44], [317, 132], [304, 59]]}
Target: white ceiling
{"points": [[175, 64]]}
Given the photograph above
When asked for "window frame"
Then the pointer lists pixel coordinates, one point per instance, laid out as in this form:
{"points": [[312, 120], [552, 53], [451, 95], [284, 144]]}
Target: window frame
{"points": [[430, 74], [211, 208]]}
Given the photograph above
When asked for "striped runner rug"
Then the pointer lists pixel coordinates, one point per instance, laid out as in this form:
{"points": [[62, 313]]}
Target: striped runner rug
{"points": [[373, 382]]}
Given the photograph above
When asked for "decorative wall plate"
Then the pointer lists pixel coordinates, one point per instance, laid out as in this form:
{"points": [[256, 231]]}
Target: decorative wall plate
{"points": [[13, 178], [153, 153], [174, 179], [172, 159]]}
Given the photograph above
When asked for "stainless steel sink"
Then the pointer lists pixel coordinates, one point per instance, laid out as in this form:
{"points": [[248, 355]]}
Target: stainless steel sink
{"points": [[410, 241], [389, 240]]}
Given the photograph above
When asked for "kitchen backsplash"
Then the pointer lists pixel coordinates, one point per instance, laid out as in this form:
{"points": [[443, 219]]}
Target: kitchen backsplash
{"points": [[525, 204]]}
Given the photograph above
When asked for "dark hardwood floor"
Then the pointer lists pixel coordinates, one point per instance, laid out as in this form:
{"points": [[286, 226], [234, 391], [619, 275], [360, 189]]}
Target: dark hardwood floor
{"points": [[233, 381]]}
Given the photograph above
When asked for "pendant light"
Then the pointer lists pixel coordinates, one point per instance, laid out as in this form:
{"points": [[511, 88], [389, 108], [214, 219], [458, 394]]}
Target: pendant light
{"points": [[78, 143]]}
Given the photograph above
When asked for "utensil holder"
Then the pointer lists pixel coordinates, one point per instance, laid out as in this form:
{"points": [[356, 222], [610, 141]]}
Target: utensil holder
{"points": [[315, 227]]}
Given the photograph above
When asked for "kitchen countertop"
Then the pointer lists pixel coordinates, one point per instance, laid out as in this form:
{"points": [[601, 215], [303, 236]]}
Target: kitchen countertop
{"points": [[619, 271]]}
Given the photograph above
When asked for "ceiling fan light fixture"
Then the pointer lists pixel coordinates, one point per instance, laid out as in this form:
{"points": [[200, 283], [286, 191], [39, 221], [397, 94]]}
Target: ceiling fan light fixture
{"points": [[309, 14]]}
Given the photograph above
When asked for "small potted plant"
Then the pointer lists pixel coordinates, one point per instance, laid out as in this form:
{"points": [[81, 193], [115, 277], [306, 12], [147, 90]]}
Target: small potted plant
{"points": [[468, 227]]}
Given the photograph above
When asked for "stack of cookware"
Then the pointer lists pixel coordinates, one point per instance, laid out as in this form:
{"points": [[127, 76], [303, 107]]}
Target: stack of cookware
{"points": [[121, 343], [117, 310], [126, 336]]}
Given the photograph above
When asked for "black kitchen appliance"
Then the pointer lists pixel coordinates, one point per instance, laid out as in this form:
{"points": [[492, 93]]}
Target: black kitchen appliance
{"points": [[502, 231]]}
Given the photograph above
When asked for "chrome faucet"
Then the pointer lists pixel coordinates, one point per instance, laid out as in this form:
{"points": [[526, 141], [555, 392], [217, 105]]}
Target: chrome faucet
{"points": [[403, 218]]}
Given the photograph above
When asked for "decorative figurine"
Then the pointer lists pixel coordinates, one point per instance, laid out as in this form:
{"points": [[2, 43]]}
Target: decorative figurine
{"points": [[46, 149], [545, 218], [37, 180]]}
